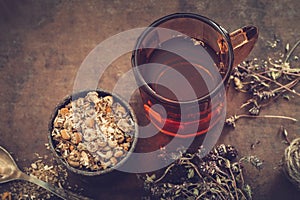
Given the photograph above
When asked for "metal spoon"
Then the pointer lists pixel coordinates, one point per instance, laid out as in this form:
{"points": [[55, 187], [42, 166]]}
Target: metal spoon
{"points": [[9, 171]]}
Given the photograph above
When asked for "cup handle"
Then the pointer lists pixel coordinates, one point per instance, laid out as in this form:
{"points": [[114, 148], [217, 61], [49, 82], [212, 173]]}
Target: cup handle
{"points": [[243, 41]]}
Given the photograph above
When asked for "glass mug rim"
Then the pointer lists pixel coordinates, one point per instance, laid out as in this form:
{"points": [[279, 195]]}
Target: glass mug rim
{"points": [[159, 21]]}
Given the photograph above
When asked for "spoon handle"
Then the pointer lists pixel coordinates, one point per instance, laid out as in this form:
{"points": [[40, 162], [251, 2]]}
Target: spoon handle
{"points": [[60, 192]]}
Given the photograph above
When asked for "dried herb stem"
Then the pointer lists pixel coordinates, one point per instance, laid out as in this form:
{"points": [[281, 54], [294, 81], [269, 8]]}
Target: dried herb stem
{"points": [[290, 71], [267, 116], [232, 178], [291, 51], [219, 193], [184, 192], [220, 186], [241, 193], [237, 117], [231, 121], [196, 169], [288, 85], [269, 79], [279, 89], [291, 74], [165, 173], [187, 192], [241, 175], [215, 176]]}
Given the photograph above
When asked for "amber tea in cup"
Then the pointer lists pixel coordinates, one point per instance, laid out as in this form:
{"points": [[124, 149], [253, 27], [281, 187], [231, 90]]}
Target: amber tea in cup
{"points": [[182, 62]]}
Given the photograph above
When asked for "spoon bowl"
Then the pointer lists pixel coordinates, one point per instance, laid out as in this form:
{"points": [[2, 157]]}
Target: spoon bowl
{"points": [[9, 171], [8, 168]]}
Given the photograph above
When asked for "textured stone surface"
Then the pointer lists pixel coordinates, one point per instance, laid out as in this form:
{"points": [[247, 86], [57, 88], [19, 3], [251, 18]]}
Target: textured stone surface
{"points": [[43, 43]]}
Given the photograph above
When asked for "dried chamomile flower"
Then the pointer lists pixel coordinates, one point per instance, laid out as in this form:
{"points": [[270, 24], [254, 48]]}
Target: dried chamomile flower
{"points": [[93, 132]]}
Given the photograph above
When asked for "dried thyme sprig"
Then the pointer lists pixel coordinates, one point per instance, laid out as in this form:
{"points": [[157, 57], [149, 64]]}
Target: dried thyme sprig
{"points": [[260, 81], [253, 160], [231, 121], [265, 81], [215, 176]]}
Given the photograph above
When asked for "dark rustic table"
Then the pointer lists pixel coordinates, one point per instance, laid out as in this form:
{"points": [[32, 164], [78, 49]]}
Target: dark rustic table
{"points": [[43, 43]]}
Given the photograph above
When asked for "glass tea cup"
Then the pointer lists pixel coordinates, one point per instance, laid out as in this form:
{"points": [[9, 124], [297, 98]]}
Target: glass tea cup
{"points": [[182, 64]]}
